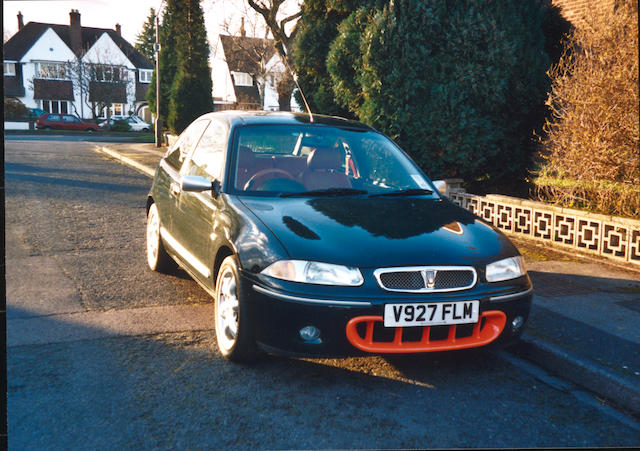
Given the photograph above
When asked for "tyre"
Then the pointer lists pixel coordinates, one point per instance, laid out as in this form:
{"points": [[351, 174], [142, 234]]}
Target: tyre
{"points": [[234, 333], [90, 130], [157, 257]]}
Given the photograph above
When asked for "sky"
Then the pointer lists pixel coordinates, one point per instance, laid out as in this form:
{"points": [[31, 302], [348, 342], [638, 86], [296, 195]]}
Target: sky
{"points": [[130, 14]]}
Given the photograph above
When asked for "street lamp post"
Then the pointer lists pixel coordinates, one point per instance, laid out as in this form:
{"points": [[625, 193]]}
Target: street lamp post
{"points": [[158, 124]]}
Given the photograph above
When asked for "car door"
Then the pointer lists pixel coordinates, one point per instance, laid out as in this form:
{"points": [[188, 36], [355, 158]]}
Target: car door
{"points": [[54, 121], [71, 122], [166, 194], [195, 221], [132, 124]]}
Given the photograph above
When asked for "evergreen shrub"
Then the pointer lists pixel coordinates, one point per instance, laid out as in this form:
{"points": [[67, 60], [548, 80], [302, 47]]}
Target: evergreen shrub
{"points": [[14, 110], [459, 85], [121, 125]]}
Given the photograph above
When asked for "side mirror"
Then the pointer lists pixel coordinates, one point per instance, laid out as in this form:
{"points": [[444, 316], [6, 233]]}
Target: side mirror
{"points": [[441, 186], [198, 184]]}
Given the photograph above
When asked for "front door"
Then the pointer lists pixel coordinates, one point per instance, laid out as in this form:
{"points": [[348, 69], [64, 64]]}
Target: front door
{"points": [[195, 221], [169, 180]]}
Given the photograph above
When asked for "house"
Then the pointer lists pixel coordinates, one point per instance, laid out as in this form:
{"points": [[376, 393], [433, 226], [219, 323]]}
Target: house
{"points": [[75, 69], [245, 73]]}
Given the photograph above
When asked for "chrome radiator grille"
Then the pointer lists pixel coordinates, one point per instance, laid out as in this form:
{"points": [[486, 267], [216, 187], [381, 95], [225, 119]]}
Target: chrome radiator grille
{"points": [[426, 279]]}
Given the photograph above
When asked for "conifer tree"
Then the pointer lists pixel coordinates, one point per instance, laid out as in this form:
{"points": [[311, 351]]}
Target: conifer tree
{"points": [[146, 39], [190, 94], [317, 28], [168, 58]]}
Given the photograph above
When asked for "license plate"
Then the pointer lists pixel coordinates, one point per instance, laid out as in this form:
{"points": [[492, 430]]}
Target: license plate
{"points": [[431, 314]]}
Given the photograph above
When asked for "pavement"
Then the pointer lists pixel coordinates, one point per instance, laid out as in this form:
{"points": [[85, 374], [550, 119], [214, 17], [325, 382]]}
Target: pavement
{"points": [[585, 320]]}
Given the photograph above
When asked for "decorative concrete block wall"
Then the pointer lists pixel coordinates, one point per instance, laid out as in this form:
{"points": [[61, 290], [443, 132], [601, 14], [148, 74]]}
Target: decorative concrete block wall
{"points": [[612, 237]]}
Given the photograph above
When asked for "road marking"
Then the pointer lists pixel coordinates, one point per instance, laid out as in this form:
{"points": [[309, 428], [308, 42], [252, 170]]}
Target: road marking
{"points": [[113, 323]]}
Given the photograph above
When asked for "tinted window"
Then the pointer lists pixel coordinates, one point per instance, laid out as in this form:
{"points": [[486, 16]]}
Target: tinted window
{"points": [[174, 158], [70, 119], [279, 159], [189, 138], [53, 117], [208, 158]]}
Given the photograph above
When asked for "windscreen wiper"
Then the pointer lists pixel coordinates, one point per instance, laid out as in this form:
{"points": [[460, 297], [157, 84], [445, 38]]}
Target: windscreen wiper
{"points": [[327, 192], [404, 192]]}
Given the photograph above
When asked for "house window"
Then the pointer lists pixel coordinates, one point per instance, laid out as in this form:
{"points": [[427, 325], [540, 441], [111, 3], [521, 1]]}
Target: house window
{"points": [[56, 71], [145, 76], [242, 79], [55, 106], [10, 69], [117, 109], [101, 72]]}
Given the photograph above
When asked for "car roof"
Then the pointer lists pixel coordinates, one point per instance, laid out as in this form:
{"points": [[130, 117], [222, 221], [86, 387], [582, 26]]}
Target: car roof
{"points": [[240, 118]]}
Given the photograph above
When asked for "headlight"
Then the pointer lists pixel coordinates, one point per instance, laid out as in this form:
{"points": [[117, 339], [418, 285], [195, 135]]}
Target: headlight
{"points": [[509, 268], [314, 272]]}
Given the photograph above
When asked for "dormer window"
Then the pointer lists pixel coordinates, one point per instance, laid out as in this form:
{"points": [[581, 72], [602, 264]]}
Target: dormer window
{"points": [[9, 69], [242, 79], [145, 75], [55, 71]]}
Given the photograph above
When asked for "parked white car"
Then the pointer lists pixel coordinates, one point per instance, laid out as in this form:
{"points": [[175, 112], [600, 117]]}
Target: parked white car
{"points": [[134, 122]]}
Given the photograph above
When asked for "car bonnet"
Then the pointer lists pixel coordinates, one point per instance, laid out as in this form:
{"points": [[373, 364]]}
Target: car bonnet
{"points": [[380, 232]]}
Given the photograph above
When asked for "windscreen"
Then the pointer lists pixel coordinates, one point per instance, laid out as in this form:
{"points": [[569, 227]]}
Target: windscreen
{"points": [[297, 159]]}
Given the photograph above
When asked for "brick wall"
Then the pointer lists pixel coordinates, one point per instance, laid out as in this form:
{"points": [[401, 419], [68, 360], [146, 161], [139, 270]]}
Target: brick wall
{"points": [[576, 10]]}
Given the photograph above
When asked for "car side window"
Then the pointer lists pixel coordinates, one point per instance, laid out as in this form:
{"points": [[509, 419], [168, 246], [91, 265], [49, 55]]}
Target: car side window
{"points": [[71, 119], [189, 138], [53, 117], [208, 158]]}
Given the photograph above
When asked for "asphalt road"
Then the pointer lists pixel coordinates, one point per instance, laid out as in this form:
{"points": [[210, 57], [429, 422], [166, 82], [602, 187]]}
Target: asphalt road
{"points": [[75, 264], [70, 136]]}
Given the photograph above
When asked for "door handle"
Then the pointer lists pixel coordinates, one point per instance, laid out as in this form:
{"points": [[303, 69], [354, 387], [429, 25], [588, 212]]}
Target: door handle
{"points": [[175, 189]]}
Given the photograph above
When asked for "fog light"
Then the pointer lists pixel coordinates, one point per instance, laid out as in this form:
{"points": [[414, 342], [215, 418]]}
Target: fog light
{"points": [[310, 334], [517, 323]]}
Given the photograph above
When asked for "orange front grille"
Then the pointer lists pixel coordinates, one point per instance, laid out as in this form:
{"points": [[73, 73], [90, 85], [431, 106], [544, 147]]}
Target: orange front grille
{"points": [[487, 329]]}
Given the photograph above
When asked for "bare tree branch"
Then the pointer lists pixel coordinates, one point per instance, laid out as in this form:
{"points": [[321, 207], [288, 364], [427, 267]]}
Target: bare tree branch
{"points": [[259, 7], [283, 42], [286, 20]]}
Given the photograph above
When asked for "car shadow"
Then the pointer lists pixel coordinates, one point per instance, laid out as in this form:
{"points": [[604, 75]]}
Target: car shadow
{"points": [[174, 390]]}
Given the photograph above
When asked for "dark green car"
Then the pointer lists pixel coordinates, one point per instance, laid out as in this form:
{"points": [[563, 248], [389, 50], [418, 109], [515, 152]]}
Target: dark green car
{"points": [[319, 236]]}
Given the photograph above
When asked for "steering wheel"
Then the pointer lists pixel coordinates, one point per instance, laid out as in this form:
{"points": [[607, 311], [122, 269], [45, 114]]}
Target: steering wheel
{"points": [[254, 183]]}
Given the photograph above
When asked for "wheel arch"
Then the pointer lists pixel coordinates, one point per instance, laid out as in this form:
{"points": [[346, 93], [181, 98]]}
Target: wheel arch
{"points": [[223, 252], [150, 201]]}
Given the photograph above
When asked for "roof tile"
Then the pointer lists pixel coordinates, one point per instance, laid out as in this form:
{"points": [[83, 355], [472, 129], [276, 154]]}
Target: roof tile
{"points": [[16, 47]]}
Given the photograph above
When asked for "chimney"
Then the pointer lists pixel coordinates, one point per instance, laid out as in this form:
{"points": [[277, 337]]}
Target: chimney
{"points": [[20, 22], [75, 31], [118, 29], [243, 33]]}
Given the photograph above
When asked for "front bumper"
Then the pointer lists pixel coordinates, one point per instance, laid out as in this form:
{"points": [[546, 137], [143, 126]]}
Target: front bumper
{"points": [[353, 326]]}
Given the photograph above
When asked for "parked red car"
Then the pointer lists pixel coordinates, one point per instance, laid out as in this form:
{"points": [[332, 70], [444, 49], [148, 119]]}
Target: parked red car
{"points": [[64, 122]]}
